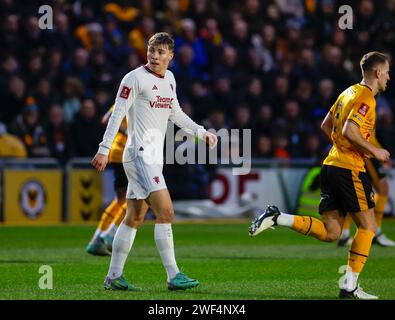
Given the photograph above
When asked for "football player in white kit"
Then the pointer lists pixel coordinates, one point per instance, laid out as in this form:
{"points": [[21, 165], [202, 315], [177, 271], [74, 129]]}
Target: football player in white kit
{"points": [[147, 96]]}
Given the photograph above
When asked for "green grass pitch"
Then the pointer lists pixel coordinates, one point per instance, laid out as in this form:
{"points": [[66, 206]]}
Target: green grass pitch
{"points": [[230, 265]]}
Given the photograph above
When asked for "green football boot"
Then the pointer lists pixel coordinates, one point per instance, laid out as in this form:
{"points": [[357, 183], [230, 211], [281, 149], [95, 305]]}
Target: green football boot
{"points": [[119, 284], [98, 248], [182, 282]]}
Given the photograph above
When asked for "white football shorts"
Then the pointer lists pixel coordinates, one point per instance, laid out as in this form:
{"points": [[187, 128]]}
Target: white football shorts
{"points": [[143, 178]]}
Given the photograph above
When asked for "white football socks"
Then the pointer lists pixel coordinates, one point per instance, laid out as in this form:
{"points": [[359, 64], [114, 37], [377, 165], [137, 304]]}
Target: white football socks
{"points": [[164, 243], [123, 241], [285, 219], [350, 280], [345, 234]]}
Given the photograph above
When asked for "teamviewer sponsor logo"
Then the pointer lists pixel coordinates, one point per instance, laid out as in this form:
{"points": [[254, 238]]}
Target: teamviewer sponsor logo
{"points": [[161, 103]]}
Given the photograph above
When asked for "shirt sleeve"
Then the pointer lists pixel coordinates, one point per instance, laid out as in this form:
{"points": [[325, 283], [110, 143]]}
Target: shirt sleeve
{"points": [[332, 110], [181, 119], [361, 111], [124, 100]]}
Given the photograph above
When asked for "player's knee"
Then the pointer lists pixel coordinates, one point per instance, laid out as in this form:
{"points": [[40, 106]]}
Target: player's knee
{"points": [[136, 222], [165, 215], [331, 237], [371, 226]]}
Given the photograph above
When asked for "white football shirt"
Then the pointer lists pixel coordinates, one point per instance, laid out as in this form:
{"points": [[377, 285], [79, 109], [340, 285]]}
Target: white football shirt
{"points": [[148, 100]]}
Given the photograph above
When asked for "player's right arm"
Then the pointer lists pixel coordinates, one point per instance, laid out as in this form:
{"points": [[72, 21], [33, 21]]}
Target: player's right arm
{"points": [[327, 125], [126, 95], [353, 134]]}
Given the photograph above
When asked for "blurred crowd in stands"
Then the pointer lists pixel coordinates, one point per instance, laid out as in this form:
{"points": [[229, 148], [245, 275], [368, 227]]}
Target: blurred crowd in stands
{"points": [[274, 67]]}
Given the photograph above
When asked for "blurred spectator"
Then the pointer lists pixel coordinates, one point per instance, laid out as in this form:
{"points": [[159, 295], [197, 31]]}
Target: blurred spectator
{"points": [[240, 40], [54, 69], [102, 99], [242, 117], [184, 70], [9, 67], [43, 95], [58, 134], [224, 96], [189, 37], [29, 129], [311, 148], [200, 98], [13, 99], [304, 97], [35, 69], [10, 145], [326, 97], [86, 130], [228, 66], [280, 146], [254, 95], [101, 70], [264, 122], [280, 94], [216, 120], [385, 129], [308, 66], [73, 89], [263, 148], [62, 38], [10, 40], [212, 35], [265, 44], [34, 38], [252, 14], [332, 67], [294, 125], [117, 49], [139, 36], [78, 67]]}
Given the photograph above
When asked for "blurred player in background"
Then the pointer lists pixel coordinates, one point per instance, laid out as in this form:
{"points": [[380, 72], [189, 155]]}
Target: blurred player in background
{"points": [[147, 96], [345, 186], [378, 177], [111, 218]]}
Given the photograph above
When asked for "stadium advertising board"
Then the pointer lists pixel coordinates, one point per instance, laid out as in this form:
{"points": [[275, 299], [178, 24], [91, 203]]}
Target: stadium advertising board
{"points": [[84, 196], [32, 197]]}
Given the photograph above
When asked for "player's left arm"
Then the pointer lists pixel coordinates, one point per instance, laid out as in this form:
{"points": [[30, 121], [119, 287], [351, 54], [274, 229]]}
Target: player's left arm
{"points": [[360, 112], [181, 119]]}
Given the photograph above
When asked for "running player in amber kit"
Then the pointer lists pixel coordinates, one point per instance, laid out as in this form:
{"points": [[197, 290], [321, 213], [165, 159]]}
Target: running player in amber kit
{"points": [[345, 186], [378, 177]]}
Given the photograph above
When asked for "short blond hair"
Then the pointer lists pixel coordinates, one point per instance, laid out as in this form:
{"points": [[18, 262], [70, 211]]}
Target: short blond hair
{"points": [[372, 59], [161, 38]]}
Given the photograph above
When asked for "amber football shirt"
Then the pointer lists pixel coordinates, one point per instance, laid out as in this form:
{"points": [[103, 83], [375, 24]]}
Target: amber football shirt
{"points": [[356, 104]]}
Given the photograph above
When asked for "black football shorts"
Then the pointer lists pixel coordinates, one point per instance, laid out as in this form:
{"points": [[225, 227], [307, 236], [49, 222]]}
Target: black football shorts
{"points": [[345, 190]]}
